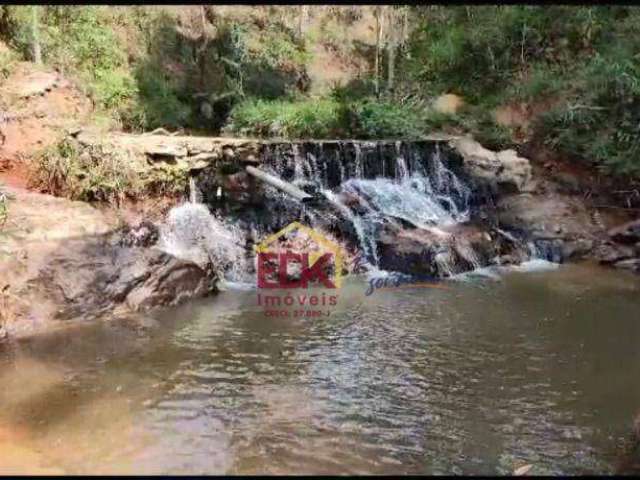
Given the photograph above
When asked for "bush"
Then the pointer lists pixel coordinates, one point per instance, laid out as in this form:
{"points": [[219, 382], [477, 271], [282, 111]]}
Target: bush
{"points": [[286, 119], [102, 176], [371, 119], [99, 176]]}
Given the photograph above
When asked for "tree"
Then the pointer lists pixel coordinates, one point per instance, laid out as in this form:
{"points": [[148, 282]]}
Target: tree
{"points": [[35, 34]]}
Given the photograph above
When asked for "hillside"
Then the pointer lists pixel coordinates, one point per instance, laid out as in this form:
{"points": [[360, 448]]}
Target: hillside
{"points": [[561, 82]]}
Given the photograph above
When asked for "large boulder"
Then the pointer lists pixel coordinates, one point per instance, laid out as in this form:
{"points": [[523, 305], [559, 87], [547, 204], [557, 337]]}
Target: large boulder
{"points": [[560, 226], [503, 170], [62, 260], [438, 252], [92, 277]]}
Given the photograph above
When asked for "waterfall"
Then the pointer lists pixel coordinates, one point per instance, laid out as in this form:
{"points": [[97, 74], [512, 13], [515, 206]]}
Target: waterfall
{"points": [[190, 232], [374, 195], [369, 184]]}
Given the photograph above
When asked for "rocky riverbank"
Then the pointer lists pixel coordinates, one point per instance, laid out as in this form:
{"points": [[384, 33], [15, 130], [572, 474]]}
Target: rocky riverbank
{"points": [[63, 261]]}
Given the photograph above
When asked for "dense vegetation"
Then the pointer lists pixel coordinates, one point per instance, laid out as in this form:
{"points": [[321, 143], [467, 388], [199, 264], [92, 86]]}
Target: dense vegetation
{"points": [[573, 71]]}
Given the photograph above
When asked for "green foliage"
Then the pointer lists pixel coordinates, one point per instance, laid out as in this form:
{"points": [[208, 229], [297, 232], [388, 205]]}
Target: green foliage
{"points": [[7, 60], [153, 67], [379, 119], [598, 118], [582, 60], [98, 176], [286, 119]]}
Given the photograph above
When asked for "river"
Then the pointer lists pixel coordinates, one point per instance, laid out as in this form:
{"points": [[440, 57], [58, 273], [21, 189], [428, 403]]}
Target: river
{"points": [[481, 377]]}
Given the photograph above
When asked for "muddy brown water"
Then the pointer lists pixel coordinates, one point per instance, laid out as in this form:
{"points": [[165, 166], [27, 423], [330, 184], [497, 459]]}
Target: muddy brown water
{"points": [[485, 376]]}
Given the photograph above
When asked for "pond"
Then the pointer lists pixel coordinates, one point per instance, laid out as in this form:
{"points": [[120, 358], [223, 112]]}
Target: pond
{"points": [[486, 375]]}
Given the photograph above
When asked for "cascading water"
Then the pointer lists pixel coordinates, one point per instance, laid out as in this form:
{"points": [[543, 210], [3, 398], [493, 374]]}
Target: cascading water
{"points": [[420, 190], [192, 233], [371, 194]]}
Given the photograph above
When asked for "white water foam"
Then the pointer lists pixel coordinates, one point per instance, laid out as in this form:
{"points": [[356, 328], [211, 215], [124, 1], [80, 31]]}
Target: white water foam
{"points": [[190, 232]]}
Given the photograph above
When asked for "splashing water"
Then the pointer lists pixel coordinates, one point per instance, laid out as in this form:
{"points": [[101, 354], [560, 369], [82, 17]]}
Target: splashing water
{"points": [[192, 233]]}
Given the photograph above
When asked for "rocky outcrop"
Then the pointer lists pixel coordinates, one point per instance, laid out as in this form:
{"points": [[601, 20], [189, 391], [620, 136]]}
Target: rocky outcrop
{"points": [[503, 171], [64, 261], [560, 226], [448, 103], [442, 252], [91, 277]]}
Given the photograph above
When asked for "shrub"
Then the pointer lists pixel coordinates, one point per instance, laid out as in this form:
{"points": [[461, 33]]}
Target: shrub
{"points": [[95, 176], [381, 119], [286, 119]]}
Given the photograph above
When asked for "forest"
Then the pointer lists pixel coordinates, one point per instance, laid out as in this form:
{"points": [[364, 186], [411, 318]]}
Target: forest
{"points": [[560, 76]]}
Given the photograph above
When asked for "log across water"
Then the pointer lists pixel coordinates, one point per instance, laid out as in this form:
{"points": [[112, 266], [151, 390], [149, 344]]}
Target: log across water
{"points": [[280, 184]]}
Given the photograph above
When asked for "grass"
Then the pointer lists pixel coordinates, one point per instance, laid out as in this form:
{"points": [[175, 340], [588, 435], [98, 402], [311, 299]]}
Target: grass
{"points": [[94, 174], [286, 119], [62, 170]]}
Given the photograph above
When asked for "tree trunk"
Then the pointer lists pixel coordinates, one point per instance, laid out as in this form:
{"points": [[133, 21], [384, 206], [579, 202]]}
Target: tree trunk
{"points": [[391, 51], [379, 26], [302, 18], [391, 60], [35, 31]]}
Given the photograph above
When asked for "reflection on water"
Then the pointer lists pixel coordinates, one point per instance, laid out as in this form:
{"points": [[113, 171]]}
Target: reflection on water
{"points": [[533, 368]]}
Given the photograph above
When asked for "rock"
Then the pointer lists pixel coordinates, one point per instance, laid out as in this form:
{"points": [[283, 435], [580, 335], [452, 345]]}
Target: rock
{"points": [[550, 249], [95, 276], [144, 234], [610, 253], [228, 153], [68, 261], [434, 252], [169, 281], [158, 150], [627, 233], [515, 170], [523, 470], [568, 182], [548, 217], [448, 103], [504, 169], [576, 249], [632, 264]]}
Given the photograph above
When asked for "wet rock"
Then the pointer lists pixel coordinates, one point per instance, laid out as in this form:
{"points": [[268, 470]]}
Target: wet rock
{"points": [[628, 233], [550, 217], [632, 264], [67, 262], [436, 252], [609, 253], [144, 234], [169, 281], [550, 249], [576, 249]]}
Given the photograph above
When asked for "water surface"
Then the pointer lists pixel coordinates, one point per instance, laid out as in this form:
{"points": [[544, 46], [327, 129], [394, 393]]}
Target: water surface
{"points": [[487, 375]]}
